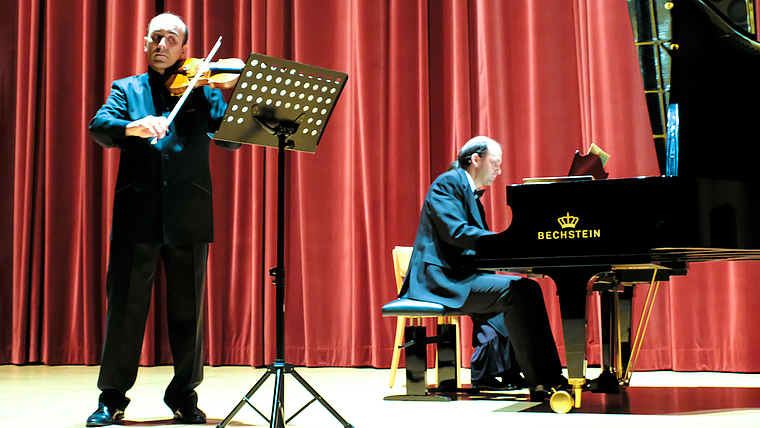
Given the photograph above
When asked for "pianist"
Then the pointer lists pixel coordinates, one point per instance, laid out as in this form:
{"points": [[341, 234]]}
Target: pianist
{"points": [[511, 327]]}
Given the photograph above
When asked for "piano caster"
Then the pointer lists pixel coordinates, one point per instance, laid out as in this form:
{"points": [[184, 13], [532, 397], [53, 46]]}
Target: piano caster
{"points": [[561, 402]]}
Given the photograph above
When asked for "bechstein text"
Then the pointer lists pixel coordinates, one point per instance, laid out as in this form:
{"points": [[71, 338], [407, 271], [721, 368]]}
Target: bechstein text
{"points": [[570, 234], [568, 223]]}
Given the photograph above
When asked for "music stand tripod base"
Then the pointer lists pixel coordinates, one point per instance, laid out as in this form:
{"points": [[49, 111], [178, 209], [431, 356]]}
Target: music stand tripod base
{"points": [[279, 369]]}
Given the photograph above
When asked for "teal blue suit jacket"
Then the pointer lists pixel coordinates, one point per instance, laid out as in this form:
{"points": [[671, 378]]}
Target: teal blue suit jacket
{"points": [[442, 262], [163, 191]]}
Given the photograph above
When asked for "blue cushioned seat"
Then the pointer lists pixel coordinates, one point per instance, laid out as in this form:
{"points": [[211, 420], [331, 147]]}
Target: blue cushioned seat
{"points": [[416, 308]]}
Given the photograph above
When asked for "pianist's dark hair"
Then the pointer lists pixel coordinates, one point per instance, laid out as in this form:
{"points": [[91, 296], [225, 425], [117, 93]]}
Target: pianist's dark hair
{"points": [[479, 146]]}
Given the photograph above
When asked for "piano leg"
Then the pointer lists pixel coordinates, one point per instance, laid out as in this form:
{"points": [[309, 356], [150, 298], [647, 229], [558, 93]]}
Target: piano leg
{"points": [[626, 320], [607, 381], [572, 292], [615, 308], [574, 332]]}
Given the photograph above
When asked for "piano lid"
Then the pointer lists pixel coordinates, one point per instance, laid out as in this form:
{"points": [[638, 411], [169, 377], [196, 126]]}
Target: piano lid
{"points": [[661, 220], [699, 62]]}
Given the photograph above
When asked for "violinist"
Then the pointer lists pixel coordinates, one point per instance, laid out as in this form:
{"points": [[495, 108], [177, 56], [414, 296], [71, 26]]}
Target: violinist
{"points": [[162, 208]]}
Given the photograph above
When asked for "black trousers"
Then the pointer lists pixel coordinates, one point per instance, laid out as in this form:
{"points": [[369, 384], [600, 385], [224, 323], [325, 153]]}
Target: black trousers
{"points": [[493, 355], [515, 308], [129, 283]]}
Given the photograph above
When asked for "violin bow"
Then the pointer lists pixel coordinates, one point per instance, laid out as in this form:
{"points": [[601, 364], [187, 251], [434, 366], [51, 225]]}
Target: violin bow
{"points": [[191, 86]]}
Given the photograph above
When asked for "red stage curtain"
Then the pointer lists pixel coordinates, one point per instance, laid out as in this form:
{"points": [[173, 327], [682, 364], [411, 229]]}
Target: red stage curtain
{"points": [[545, 78]]}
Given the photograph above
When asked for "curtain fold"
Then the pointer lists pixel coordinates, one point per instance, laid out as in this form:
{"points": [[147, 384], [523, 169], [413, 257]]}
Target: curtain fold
{"points": [[8, 85], [544, 78]]}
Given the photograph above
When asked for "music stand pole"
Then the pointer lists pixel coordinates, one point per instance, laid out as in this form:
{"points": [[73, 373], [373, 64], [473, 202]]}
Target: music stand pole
{"points": [[283, 128]]}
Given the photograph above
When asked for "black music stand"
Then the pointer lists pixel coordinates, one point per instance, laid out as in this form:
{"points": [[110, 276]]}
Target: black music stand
{"points": [[292, 102]]}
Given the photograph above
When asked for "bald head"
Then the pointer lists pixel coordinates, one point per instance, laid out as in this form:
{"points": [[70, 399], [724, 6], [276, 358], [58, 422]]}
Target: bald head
{"points": [[169, 20]]}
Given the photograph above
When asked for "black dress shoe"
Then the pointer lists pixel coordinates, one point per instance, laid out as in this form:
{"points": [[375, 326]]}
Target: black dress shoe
{"points": [[105, 416], [493, 384], [518, 381], [543, 393], [190, 415], [539, 396]]}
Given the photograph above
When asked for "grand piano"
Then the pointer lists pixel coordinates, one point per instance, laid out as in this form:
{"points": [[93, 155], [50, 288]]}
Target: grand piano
{"points": [[606, 235]]}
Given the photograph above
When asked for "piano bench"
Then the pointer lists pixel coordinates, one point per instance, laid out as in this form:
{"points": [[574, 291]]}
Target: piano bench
{"points": [[415, 348]]}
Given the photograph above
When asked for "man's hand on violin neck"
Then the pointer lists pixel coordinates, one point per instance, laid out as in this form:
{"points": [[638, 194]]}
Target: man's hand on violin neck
{"points": [[148, 127]]}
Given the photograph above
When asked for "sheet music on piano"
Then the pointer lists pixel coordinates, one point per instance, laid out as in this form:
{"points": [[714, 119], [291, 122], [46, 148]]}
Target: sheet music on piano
{"points": [[584, 168], [543, 180]]}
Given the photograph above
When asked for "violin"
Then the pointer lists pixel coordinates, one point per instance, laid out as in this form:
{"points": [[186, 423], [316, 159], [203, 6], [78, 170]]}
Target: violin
{"points": [[222, 74], [189, 78]]}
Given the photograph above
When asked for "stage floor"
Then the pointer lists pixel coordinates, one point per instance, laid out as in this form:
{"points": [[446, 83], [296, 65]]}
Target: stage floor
{"points": [[63, 396]]}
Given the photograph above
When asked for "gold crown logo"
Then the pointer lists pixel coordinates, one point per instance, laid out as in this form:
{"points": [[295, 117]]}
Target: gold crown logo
{"points": [[568, 221]]}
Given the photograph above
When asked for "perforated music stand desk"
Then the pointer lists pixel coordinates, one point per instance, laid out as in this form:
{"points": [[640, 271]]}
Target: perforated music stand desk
{"points": [[283, 104], [273, 92]]}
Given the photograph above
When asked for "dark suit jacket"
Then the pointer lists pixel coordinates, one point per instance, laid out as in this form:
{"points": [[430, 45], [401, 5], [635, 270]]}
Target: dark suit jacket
{"points": [[442, 263], [163, 192]]}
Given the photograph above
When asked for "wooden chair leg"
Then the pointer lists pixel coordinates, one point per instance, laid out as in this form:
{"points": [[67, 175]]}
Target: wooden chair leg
{"points": [[455, 321], [400, 324], [440, 320]]}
